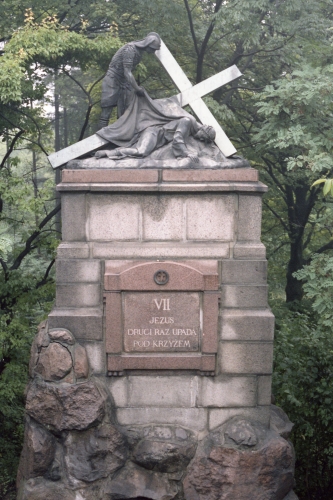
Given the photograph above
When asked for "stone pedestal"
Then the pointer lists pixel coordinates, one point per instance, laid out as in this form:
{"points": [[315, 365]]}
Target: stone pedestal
{"points": [[194, 369]]}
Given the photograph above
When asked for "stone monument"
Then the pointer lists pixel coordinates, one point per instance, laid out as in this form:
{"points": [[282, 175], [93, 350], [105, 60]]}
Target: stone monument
{"points": [[151, 378]]}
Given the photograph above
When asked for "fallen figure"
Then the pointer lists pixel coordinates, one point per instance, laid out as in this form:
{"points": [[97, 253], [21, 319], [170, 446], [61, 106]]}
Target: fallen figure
{"points": [[153, 133]]}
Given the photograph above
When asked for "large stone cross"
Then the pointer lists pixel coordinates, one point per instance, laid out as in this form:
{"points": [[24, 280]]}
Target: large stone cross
{"points": [[191, 95]]}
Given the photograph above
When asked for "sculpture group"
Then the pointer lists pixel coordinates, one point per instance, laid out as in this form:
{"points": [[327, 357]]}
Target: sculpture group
{"points": [[160, 129]]}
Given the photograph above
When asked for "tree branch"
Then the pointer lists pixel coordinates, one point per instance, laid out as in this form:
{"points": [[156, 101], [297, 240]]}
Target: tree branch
{"points": [[88, 94], [190, 20], [10, 149], [328, 246], [4, 266], [270, 172], [29, 243], [43, 281], [38, 143], [204, 44], [278, 248], [86, 121], [279, 218]]}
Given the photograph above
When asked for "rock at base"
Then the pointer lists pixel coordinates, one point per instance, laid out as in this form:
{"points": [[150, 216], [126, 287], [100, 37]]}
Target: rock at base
{"points": [[237, 470], [38, 451], [61, 335], [40, 489], [133, 482], [95, 453], [65, 407], [81, 365], [54, 362], [164, 456]]}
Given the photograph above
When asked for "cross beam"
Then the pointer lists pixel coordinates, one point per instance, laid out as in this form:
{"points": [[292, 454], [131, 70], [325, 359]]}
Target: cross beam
{"points": [[188, 95], [192, 95]]}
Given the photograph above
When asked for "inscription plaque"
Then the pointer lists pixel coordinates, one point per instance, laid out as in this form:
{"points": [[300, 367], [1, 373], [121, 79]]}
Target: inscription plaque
{"points": [[161, 315], [166, 322]]}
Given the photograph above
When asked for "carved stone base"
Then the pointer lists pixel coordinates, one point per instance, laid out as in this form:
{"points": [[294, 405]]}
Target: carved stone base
{"points": [[74, 448]]}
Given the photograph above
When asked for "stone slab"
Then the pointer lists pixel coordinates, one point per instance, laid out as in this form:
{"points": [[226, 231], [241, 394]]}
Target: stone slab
{"points": [[73, 217], [244, 272], [247, 324], [249, 218], [217, 417], [113, 217], [247, 357], [73, 250], [78, 295], [74, 270], [191, 418], [118, 387], [227, 391], [165, 187], [156, 251], [210, 175], [203, 363], [162, 218], [96, 357], [103, 175], [155, 391], [248, 251], [210, 217], [238, 296], [84, 323], [264, 390]]}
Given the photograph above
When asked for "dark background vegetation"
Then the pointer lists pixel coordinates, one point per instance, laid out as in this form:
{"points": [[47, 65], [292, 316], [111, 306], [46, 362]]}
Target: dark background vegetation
{"points": [[279, 115]]}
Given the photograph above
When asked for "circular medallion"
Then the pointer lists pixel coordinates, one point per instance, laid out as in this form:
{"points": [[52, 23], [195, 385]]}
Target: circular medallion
{"points": [[161, 277]]}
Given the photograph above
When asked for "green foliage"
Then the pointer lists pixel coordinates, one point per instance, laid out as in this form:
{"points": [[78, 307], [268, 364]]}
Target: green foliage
{"points": [[50, 45], [303, 387], [318, 287], [29, 305], [5, 240], [328, 186], [298, 112]]}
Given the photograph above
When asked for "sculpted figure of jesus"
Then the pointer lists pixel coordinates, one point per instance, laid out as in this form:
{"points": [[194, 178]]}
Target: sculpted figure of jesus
{"points": [[176, 132], [119, 83]]}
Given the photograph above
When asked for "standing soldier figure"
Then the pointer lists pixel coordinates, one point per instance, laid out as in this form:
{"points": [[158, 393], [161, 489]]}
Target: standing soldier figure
{"points": [[119, 82]]}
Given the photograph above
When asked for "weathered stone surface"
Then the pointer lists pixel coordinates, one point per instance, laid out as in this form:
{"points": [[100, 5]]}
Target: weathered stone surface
{"points": [[74, 270], [280, 422], [135, 483], [164, 456], [33, 358], [81, 365], [40, 489], [54, 362], [62, 335], [85, 322], [291, 496], [241, 461], [241, 432], [73, 217], [65, 407], [37, 453], [95, 453], [41, 340]]}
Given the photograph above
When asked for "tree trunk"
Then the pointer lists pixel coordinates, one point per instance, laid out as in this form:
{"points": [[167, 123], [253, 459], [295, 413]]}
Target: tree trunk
{"points": [[57, 147], [294, 287], [300, 201]]}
